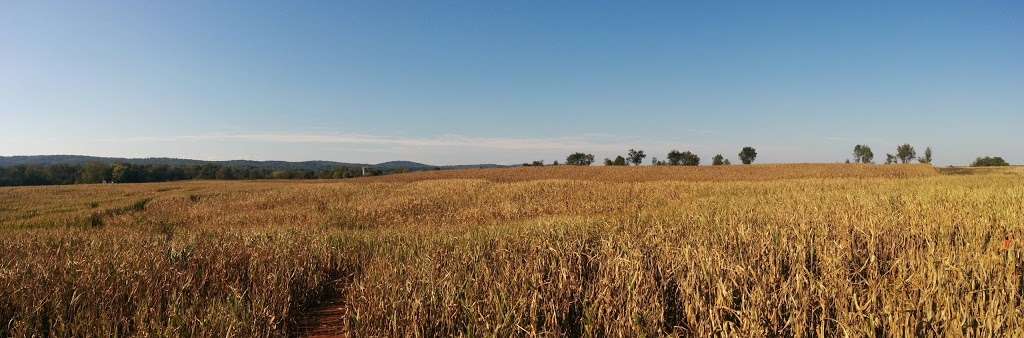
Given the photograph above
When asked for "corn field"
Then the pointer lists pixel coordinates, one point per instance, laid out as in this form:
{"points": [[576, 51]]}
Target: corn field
{"points": [[775, 250]]}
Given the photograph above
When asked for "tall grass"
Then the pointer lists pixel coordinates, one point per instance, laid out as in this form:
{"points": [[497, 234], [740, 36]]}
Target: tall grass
{"points": [[936, 255]]}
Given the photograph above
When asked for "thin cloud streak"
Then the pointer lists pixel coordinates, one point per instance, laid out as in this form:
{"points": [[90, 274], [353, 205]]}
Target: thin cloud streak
{"points": [[443, 141], [442, 149]]}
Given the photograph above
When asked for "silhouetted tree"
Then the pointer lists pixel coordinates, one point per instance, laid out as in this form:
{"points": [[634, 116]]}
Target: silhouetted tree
{"points": [[676, 157], [579, 159], [863, 154], [618, 161], [636, 157], [905, 153], [747, 155], [719, 160], [927, 159], [989, 162]]}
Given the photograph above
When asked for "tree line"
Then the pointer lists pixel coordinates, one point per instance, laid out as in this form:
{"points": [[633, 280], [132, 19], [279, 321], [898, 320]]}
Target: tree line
{"points": [[635, 157], [96, 172], [905, 153]]}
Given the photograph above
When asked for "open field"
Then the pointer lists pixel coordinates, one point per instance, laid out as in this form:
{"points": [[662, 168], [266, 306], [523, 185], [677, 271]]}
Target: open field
{"points": [[760, 251], [624, 174]]}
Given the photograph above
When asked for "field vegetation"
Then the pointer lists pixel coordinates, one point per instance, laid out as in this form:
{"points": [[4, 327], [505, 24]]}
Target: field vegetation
{"points": [[762, 250], [625, 174]]}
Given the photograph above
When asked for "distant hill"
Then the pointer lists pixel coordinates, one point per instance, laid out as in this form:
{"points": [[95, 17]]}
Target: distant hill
{"points": [[9, 161], [416, 166], [407, 165]]}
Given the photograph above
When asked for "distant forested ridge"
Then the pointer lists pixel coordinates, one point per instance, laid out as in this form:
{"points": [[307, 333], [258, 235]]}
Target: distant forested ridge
{"points": [[74, 169]]}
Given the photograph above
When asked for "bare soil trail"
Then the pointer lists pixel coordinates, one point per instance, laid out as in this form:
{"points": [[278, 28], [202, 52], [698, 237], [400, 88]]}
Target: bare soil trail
{"points": [[325, 320]]}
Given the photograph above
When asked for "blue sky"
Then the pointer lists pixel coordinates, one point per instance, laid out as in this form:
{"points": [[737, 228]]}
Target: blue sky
{"points": [[511, 81]]}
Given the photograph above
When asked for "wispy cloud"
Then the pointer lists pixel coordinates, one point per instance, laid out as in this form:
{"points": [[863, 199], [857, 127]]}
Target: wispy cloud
{"points": [[590, 142], [857, 140], [440, 149], [701, 131]]}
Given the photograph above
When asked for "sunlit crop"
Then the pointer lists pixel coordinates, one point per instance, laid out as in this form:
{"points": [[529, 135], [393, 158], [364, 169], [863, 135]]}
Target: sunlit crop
{"points": [[762, 251]]}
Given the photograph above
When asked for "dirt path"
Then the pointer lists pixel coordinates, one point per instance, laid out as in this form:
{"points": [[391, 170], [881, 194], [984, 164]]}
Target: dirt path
{"points": [[324, 320]]}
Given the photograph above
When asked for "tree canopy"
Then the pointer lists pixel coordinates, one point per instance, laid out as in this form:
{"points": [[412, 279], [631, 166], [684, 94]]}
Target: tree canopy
{"points": [[863, 154], [580, 159], [618, 161], [905, 153], [676, 157], [927, 158], [636, 157], [989, 162], [719, 160], [747, 155], [97, 172]]}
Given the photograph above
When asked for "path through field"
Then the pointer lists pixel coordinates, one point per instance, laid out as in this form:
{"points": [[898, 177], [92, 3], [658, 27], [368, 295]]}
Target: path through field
{"points": [[324, 320]]}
